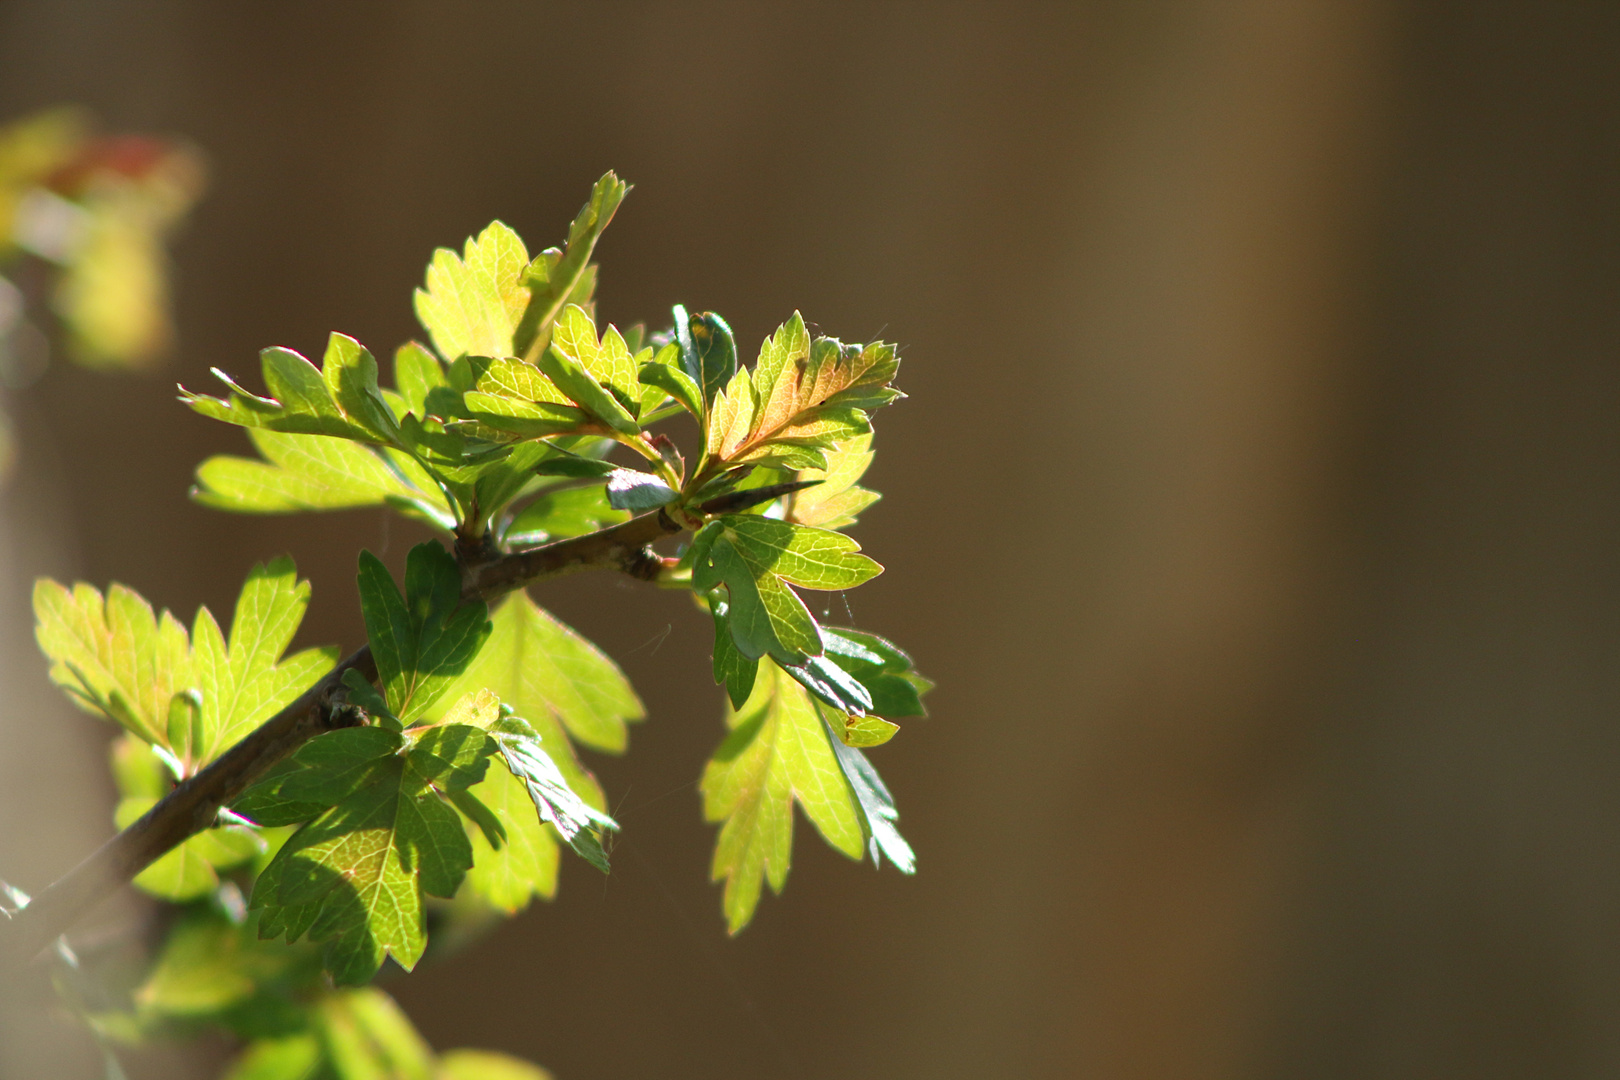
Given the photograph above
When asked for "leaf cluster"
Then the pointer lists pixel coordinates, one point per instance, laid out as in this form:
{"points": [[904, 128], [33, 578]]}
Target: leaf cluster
{"points": [[182, 698], [453, 781]]}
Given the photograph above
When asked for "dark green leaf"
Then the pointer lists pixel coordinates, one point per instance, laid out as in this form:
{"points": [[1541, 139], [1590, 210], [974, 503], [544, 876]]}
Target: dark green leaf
{"points": [[451, 756], [765, 616], [425, 639], [708, 350], [881, 667], [731, 668], [822, 676], [353, 876], [876, 805]]}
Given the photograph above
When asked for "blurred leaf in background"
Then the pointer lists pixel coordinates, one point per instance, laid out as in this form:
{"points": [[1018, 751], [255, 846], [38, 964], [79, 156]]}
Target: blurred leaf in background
{"points": [[84, 218]]}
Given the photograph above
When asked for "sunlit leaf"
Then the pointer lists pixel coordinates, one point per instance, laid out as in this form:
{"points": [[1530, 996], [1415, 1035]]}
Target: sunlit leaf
{"points": [[557, 276], [472, 303], [558, 682], [487, 1065], [778, 753], [116, 658], [342, 399], [314, 472], [838, 499]]}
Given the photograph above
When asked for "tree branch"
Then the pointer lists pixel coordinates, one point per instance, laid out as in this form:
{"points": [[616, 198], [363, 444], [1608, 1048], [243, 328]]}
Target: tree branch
{"points": [[195, 803]]}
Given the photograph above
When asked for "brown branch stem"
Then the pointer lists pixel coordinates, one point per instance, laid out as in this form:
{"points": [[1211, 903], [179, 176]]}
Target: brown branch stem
{"points": [[194, 804]]}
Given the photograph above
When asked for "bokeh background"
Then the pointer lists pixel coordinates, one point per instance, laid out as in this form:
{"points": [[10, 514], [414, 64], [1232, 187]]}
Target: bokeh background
{"points": [[1257, 504]]}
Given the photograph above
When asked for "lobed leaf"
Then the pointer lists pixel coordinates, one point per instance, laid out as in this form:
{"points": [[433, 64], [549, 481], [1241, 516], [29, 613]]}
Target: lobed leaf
{"points": [[383, 834], [342, 399], [115, 657], [563, 685], [838, 499], [423, 640], [471, 304], [778, 753], [803, 397]]}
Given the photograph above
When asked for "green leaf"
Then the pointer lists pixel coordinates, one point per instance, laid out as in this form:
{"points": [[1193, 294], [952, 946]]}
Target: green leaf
{"points": [[420, 379], [115, 657], [315, 472], [353, 877], [366, 1036], [546, 671], [832, 684], [876, 805], [137, 768], [555, 277], [191, 869], [290, 1057], [424, 640], [805, 399], [524, 865], [554, 800], [664, 372], [241, 682], [583, 389], [323, 772], [556, 515], [765, 616], [731, 668], [608, 361], [574, 467], [864, 731], [560, 683], [755, 558], [838, 499], [708, 350], [778, 752], [881, 667], [341, 400], [207, 966], [806, 557], [487, 1065], [472, 304], [731, 415]]}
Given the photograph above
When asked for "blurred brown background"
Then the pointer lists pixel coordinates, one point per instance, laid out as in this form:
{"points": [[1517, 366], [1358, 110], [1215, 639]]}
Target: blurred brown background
{"points": [[1257, 504]]}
